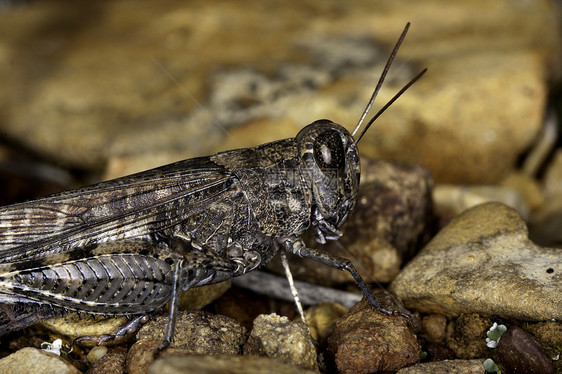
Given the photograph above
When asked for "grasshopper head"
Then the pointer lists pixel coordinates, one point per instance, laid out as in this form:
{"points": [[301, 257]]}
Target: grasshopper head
{"points": [[331, 161]]}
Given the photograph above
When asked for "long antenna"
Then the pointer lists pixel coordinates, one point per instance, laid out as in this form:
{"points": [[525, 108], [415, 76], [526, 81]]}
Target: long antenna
{"points": [[385, 107], [381, 79]]}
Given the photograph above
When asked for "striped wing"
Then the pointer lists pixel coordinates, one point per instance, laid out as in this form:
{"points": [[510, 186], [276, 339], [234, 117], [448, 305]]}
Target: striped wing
{"points": [[131, 207]]}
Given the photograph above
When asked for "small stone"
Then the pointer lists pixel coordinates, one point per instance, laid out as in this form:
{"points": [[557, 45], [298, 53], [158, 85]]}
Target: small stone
{"points": [[113, 362], [467, 336], [366, 340], [198, 332], [200, 297], [445, 367], [223, 365], [96, 353], [437, 352], [74, 326], [434, 327], [529, 188], [287, 341], [517, 352], [143, 353], [483, 262], [549, 335], [33, 360], [321, 319], [452, 200]]}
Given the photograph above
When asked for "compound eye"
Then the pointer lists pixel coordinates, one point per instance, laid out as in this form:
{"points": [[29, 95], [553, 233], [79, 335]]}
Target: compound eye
{"points": [[329, 150]]}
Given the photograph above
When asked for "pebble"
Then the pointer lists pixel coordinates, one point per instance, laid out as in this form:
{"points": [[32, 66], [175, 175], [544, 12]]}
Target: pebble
{"points": [[517, 352], [366, 340], [113, 362], [276, 337]]}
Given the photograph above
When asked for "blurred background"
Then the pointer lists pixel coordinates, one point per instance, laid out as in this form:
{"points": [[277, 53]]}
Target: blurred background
{"points": [[96, 90]]}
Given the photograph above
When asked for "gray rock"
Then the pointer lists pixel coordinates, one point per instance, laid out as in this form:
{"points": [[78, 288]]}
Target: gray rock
{"points": [[32, 360], [446, 367], [223, 364], [483, 262], [287, 341]]}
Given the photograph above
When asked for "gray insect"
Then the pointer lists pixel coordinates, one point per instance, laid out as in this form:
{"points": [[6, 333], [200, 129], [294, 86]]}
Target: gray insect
{"points": [[129, 245]]}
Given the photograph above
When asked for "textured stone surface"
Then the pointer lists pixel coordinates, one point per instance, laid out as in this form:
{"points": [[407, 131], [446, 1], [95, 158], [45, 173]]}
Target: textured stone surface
{"points": [[483, 262], [223, 364], [113, 362], [276, 337], [434, 327], [366, 341], [32, 360], [466, 336], [199, 332], [446, 367]]}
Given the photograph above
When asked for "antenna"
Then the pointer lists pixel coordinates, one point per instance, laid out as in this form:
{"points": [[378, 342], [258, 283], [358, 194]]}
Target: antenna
{"points": [[379, 85], [385, 107]]}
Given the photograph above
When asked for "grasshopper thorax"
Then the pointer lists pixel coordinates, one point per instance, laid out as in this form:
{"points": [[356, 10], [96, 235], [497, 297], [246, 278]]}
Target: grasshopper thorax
{"points": [[331, 162]]}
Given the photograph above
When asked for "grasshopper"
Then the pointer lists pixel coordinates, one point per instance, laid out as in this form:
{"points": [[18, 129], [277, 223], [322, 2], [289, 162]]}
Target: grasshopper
{"points": [[129, 245]]}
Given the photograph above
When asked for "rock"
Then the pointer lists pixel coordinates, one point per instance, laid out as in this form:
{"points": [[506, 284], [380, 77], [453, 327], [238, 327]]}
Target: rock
{"points": [[32, 360], [276, 337], [552, 181], [467, 336], [198, 332], [321, 319], [200, 297], [142, 355], [528, 187], [242, 305], [437, 352], [517, 352], [549, 335], [74, 326], [452, 200], [96, 353], [223, 364], [483, 262], [445, 367], [366, 340], [392, 218], [544, 226], [113, 362], [434, 327]]}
